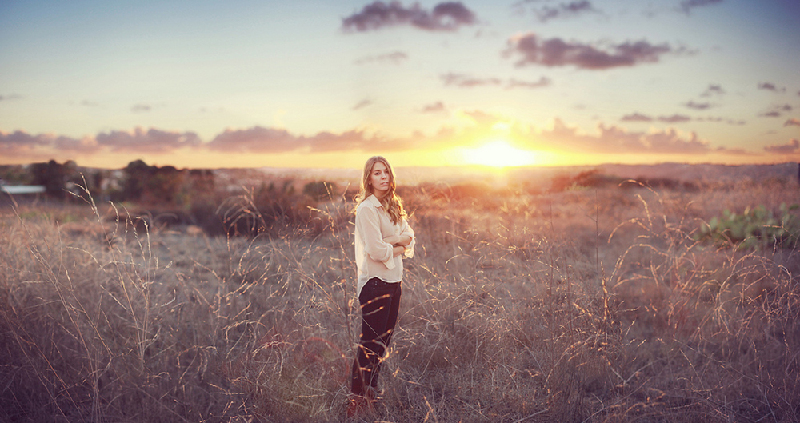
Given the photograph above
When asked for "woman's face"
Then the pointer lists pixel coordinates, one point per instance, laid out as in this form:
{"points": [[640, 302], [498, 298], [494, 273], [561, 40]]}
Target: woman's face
{"points": [[380, 180]]}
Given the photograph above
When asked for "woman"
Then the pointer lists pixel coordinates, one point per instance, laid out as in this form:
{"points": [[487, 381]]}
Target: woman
{"points": [[382, 239]]}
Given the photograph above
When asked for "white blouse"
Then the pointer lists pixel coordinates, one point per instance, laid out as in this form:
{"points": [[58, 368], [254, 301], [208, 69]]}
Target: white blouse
{"points": [[374, 256]]}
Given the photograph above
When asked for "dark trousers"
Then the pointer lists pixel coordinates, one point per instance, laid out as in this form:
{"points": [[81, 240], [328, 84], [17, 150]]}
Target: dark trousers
{"points": [[380, 305]]}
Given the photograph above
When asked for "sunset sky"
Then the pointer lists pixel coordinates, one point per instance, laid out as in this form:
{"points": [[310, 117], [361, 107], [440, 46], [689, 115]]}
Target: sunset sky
{"points": [[326, 84]]}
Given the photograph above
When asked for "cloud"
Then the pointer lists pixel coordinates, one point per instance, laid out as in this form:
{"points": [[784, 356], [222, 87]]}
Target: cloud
{"points": [[697, 106], [564, 10], [363, 103], [18, 142], [259, 139], [152, 141], [776, 111], [23, 146], [542, 82], [792, 122], [638, 117], [434, 107], [615, 140], [676, 118], [10, 97], [465, 81], [476, 124], [529, 49], [688, 5], [445, 16], [86, 145], [722, 120], [792, 147], [713, 90], [769, 86], [395, 58], [139, 108]]}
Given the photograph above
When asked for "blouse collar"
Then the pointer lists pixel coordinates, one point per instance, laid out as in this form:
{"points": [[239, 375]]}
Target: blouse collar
{"points": [[374, 200]]}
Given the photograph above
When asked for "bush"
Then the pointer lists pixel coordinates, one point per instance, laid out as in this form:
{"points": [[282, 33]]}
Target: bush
{"points": [[753, 228]]}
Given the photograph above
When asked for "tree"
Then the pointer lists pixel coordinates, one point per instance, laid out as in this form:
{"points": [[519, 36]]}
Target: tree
{"points": [[51, 175], [136, 175], [319, 190]]}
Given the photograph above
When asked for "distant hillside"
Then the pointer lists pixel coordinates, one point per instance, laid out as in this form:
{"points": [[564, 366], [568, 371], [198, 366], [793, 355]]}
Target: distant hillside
{"points": [[703, 172]]}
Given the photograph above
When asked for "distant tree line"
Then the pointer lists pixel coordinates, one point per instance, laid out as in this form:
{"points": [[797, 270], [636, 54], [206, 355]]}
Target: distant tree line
{"points": [[189, 196], [138, 182]]}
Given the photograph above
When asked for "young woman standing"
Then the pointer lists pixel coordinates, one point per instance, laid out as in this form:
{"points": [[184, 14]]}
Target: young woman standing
{"points": [[382, 239]]}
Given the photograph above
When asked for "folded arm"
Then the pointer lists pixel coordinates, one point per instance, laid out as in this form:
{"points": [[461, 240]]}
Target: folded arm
{"points": [[403, 239], [375, 246]]}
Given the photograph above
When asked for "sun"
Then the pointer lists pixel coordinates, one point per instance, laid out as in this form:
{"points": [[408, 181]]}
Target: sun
{"points": [[498, 153]]}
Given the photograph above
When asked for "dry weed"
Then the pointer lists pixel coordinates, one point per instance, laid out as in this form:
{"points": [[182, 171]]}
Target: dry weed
{"points": [[592, 305]]}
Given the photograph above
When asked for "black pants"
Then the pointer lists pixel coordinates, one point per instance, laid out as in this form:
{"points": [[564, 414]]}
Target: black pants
{"points": [[380, 304]]}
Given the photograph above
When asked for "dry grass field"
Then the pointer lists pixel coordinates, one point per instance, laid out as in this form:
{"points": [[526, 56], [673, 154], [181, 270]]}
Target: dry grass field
{"points": [[592, 305]]}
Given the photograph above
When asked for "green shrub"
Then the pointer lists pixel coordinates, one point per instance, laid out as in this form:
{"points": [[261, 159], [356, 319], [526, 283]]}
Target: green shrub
{"points": [[757, 227]]}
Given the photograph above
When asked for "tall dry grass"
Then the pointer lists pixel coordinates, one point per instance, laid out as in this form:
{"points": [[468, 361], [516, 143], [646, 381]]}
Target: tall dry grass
{"points": [[593, 305]]}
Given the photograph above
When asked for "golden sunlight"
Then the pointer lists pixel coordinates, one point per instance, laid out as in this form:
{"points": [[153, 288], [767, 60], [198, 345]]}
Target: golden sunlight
{"points": [[499, 153]]}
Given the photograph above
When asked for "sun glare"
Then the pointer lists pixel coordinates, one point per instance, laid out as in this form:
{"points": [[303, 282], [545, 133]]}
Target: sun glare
{"points": [[499, 153]]}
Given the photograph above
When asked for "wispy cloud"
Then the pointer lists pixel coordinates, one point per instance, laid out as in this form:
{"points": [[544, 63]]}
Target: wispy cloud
{"points": [[540, 83], [445, 16], [776, 111], [363, 103], [530, 49], [792, 122], [769, 86], [729, 121], [467, 81], [141, 108], [436, 107], [638, 117], [688, 5], [792, 147], [698, 105], [10, 97], [395, 57], [564, 10], [712, 91], [676, 118]]}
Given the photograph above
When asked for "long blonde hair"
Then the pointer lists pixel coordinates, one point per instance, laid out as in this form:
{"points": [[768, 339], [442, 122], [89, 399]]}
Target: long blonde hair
{"points": [[390, 202]]}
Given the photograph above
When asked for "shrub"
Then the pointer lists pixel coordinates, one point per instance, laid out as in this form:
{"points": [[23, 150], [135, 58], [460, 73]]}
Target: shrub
{"points": [[754, 228]]}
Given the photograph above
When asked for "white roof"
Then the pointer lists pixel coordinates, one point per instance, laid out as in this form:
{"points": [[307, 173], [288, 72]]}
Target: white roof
{"points": [[20, 189]]}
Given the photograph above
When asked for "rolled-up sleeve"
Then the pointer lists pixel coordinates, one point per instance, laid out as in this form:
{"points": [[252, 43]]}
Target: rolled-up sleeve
{"points": [[368, 225]]}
